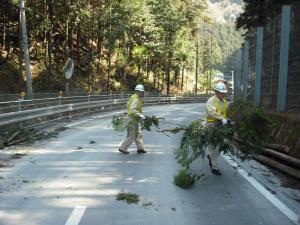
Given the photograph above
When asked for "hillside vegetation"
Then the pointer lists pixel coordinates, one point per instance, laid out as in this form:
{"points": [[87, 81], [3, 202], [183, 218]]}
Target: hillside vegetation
{"points": [[116, 44]]}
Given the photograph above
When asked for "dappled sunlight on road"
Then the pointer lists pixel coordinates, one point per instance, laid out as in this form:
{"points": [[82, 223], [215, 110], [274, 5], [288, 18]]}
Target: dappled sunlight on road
{"points": [[148, 180], [18, 217]]}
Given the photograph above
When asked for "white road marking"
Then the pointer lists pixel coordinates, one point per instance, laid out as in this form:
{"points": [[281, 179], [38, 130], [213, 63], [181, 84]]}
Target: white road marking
{"points": [[268, 195], [76, 215]]}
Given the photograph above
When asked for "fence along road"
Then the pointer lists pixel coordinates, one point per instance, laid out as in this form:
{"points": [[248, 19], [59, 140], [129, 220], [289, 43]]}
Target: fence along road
{"points": [[28, 113]]}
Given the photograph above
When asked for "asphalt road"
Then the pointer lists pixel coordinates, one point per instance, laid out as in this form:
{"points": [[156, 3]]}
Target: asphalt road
{"points": [[70, 181]]}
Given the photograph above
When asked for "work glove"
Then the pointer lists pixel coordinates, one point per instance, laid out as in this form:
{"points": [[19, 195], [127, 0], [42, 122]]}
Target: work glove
{"points": [[142, 117], [230, 122], [224, 122]]}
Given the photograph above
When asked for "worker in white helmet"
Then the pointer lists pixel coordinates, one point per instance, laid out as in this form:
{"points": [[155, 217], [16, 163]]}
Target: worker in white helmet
{"points": [[216, 109], [134, 109]]}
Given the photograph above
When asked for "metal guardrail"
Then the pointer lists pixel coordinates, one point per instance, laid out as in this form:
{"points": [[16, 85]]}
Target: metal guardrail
{"points": [[33, 117], [26, 104]]}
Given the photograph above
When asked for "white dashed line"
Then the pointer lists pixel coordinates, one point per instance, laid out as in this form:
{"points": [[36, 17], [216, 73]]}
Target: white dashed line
{"points": [[76, 215]]}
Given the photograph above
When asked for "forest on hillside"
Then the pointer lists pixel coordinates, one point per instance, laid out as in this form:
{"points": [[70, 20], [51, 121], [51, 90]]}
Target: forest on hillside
{"points": [[115, 44]]}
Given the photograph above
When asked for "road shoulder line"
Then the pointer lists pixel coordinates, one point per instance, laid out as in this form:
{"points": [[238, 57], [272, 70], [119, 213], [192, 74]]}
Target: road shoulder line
{"points": [[261, 189]]}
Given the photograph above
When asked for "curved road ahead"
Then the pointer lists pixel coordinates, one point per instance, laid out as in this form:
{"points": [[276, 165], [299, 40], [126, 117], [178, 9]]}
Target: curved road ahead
{"points": [[70, 181]]}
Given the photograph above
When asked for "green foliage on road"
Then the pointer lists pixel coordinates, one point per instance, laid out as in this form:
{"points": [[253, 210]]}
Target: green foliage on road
{"points": [[184, 179], [129, 198]]}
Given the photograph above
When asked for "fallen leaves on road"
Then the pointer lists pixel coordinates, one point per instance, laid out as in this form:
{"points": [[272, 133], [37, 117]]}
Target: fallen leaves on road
{"points": [[128, 197]]}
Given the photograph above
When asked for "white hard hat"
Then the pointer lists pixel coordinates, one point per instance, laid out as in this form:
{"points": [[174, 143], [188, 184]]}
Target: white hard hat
{"points": [[139, 87], [220, 87]]}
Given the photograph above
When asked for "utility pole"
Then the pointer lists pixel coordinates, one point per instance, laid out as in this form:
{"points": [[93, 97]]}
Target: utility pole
{"points": [[109, 50], [197, 62], [210, 64], [25, 48]]}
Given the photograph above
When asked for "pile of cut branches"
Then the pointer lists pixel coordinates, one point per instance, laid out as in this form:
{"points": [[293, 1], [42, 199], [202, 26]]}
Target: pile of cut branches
{"points": [[29, 136]]}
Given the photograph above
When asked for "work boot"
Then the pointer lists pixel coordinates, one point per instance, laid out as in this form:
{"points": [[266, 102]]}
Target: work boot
{"points": [[141, 151], [209, 161], [216, 172], [123, 151]]}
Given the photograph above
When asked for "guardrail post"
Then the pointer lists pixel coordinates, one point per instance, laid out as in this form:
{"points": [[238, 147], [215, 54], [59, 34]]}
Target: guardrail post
{"points": [[159, 97], [110, 100], [20, 105], [60, 98], [60, 102], [89, 94]]}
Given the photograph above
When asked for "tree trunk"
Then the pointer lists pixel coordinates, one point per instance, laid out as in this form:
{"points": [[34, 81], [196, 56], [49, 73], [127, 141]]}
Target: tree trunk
{"points": [[273, 163], [169, 71], [175, 78], [182, 78], [5, 31], [162, 82], [109, 51], [196, 69], [90, 68], [210, 69], [45, 42], [130, 48], [99, 51], [207, 81], [25, 48], [49, 37], [20, 55], [139, 71], [70, 40], [154, 78], [67, 49], [278, 147], [4, 28], [282, 157], [109, 69], [148, 66], [78, 42]]}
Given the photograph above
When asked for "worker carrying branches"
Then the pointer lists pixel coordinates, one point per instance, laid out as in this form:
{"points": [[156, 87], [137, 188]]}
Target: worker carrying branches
{"points": [[134, 109], [216, 109]]}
